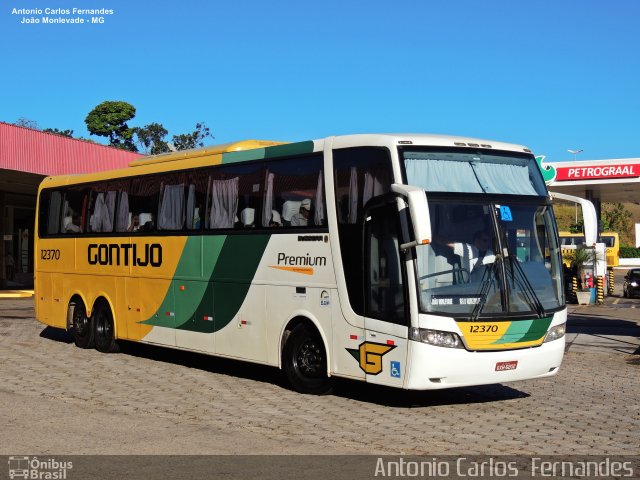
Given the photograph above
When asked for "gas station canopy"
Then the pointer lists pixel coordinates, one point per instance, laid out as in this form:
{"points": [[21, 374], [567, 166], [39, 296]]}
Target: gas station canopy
{"points": [[616, 180]]}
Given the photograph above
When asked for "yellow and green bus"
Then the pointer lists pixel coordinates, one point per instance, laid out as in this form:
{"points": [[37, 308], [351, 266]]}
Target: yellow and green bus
{"points": [[412, 261]]}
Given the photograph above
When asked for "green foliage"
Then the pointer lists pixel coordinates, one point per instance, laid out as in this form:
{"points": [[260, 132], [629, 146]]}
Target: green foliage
{"points": [[25, 122], [194, 139], [152, 138], [616, 218], [109, 119], [87, 140], [55, 131], [580, 256], [565, 217], [629, 252], [577, 227]]}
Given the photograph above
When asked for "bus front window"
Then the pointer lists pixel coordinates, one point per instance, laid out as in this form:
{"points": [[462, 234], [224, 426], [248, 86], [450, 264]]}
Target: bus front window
{"points": [[488, 259]]}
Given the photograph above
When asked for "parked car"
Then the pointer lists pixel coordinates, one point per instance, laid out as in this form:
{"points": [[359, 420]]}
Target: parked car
{"points": [[631, 286]]}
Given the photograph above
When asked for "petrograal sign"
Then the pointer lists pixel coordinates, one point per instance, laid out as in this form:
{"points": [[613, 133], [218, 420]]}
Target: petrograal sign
{"points": [[597, 172]]}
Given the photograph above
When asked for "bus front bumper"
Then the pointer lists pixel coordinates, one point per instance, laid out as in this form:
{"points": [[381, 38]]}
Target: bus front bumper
{"points": [[438, 367]]}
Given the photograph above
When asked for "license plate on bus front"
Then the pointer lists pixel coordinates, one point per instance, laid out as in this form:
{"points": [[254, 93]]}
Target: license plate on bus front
{"points": [[502, 366]]}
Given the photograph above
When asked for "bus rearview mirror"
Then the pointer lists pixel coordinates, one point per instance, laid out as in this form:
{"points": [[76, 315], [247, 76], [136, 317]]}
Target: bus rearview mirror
{"points": [[419, 212]]}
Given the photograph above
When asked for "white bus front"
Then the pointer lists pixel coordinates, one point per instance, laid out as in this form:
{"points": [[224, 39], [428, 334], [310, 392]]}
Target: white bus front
{"points": [[489, 283]]}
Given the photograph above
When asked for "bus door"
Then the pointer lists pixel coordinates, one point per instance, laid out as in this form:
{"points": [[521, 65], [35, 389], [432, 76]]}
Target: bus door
{"points": [[383, 355]]}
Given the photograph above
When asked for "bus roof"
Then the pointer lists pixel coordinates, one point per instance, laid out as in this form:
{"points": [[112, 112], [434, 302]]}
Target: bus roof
{"points": [[204, 151], [261, 149], [421, 139]]}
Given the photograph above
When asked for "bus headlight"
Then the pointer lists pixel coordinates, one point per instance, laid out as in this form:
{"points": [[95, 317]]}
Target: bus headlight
{"points": [[435, 337], [556, 332]]}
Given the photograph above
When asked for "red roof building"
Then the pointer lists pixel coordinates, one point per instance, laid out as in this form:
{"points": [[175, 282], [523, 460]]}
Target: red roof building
{"points": [[26, 157]]}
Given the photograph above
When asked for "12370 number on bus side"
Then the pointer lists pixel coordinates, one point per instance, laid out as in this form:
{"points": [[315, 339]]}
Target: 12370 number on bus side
{"points": [[49, 254]]}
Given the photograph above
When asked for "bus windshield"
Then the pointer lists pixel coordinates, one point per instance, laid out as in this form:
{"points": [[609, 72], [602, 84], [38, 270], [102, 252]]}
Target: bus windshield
{"points": [[488, 259], [469, 171]]}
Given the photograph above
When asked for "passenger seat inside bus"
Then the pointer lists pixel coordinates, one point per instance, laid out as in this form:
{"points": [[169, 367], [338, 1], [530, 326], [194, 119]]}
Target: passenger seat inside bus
{"points": [[247, 217], [289, 209]]}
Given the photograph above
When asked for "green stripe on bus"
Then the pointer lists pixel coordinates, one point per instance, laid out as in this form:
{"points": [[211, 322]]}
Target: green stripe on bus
{"points": [[184, 303], [209, 305], [525, 331], [233, 273], [289, 149], [243, 156], [537, 330]]}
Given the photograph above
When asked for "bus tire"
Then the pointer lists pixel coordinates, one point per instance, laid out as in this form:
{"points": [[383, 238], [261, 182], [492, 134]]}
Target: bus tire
{"points": [[304, 361], [81, 326], [103, 329]]}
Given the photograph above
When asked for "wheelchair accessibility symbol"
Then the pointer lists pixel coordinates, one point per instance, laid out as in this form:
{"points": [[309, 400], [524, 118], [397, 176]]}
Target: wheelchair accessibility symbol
{"points": [[395, 369], [505, 214]]}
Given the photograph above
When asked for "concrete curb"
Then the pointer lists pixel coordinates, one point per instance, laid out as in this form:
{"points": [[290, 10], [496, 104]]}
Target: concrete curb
{"points": [[16, 293]]}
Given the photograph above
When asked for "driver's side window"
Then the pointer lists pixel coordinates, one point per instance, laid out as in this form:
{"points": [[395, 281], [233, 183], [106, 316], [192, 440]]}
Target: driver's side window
{"points": [[384, 276]]}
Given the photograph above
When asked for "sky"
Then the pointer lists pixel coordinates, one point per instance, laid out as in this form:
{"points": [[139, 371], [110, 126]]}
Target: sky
{"points": [[551, 75]]}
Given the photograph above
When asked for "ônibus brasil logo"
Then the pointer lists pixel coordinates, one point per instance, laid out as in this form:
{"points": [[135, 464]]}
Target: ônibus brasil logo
{"points": [[34, 468]]}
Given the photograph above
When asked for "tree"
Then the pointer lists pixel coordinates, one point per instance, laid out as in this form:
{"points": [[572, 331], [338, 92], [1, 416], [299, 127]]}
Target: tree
{"points": [[194, 139], [616, 218], [152, 138], [25, 122], [109, 119], [55, 131]]}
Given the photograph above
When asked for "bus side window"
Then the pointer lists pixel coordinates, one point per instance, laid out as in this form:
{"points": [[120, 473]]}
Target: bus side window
{"points": [[197, 182], [143, 202], [231, 190], [294, 193], [49, 217], [360, 174], [72, 210], [383, 270]]}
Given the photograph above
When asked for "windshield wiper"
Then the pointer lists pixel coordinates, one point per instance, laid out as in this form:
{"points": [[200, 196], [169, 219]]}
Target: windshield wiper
{"points": [[528, 292], [486, 282]]}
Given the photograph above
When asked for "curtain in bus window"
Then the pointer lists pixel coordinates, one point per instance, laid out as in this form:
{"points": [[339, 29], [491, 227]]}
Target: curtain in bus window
{"points": [[66, 216], [192, 217], [109, 211], [319, 212], [123, 218], [55, 201], [103, 210], [170, 215], [95, 221], [207, 209], [442, 175], [372, 188], [500, 178], [267, 206], [224, 202], [353, 196]]}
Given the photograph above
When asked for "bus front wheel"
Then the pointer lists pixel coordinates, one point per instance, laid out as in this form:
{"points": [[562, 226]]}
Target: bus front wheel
{"points": [[304, 361], [81, 327], [103, 328]]}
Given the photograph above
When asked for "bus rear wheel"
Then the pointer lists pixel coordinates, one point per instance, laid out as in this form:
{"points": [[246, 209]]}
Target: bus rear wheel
{"points": [[304, 361], [81, 327], [103, 329]]}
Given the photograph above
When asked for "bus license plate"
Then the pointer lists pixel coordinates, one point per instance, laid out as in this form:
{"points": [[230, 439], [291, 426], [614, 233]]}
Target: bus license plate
{"points": [[502, 366]]}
